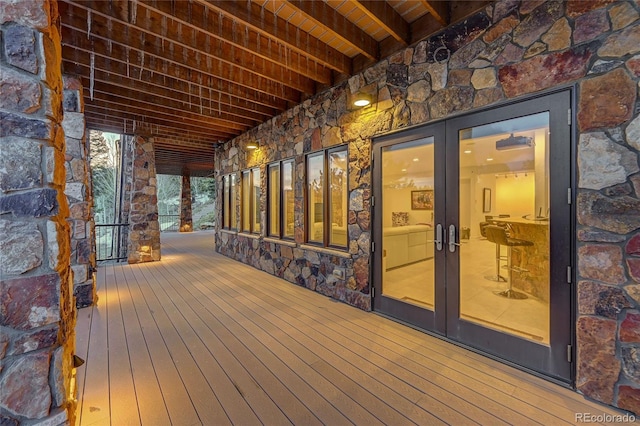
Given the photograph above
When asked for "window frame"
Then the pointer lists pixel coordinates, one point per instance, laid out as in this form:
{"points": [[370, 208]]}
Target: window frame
{"points": [[247, 184], [326, 199], [229, 202], [281, 207]]}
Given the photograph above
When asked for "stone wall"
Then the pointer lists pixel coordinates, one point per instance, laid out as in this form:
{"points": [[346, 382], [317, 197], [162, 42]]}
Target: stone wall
{"points": [[186, 219], [509, 50], [37, 310], [144, 228], [78, 191]]}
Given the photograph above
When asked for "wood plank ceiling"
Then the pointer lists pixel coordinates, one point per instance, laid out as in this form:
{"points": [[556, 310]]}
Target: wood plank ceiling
{"points": [[196, 73]]}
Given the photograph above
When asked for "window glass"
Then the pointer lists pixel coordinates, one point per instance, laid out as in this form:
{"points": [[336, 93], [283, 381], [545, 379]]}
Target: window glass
{"points": [[506, 165], [233, 204], [246, 201], [315, 197], [338, 198], [288, 199], [225, 202], [256, 190], [273, 196]]}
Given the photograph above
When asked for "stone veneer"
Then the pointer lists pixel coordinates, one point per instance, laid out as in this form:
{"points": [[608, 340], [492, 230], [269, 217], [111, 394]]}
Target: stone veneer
{"points": [[186, 219], [79, 195], [508, 50], [142, 210], [37, 309]]}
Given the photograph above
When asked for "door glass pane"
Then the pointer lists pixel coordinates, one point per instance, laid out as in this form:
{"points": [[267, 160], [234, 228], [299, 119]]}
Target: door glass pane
{"points": [[407, 222], [274, 200], [504, 226], [315, 191], [256, 200], [338, 198], [288, 201]]}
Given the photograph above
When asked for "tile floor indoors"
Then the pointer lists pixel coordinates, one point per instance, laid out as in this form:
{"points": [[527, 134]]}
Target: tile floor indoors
{"points": [[528, 318]]}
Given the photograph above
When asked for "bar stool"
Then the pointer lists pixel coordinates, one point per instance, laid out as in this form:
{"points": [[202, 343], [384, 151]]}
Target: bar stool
{"points": [[491, 237], [498, 235]]}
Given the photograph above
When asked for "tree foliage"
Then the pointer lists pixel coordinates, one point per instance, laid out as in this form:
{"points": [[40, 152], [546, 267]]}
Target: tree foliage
{"points": [[104, 151], [169, 188]]}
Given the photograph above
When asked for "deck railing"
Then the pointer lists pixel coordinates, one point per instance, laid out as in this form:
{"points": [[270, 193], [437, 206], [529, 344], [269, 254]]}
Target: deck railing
{"points": [[169, 222], [111, 241]]}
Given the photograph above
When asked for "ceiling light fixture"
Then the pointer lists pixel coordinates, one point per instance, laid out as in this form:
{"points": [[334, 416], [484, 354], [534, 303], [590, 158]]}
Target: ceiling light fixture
{"points": [[514, 142]]}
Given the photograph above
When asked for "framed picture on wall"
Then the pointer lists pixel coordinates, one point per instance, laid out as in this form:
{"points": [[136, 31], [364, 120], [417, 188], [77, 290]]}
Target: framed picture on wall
{"points": [[486, 200], [422, 200]]}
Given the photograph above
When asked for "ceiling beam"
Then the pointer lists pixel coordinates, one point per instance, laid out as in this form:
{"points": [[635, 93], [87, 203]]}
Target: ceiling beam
{"points": [[438, 9], [173, 148], [225, 30], [196, 104], [265, 22], [138, 121], [126, 126], [327, 17], [119, 104], [386, 17], [76, 61], [161, 29], [143, 41]]}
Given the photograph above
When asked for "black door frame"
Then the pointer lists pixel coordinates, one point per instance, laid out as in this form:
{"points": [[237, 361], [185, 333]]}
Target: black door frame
{"points": [[407, 312], [554, 362]]}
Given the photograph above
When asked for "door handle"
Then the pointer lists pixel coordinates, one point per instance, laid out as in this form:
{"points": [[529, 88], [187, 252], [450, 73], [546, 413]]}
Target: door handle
{"points": [[452, 239], [438, 239]]}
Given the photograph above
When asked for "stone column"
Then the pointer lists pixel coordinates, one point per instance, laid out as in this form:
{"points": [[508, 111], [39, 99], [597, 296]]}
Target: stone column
{"points": [[186, 221], [144, 229], [78, 191], [37, 311]]}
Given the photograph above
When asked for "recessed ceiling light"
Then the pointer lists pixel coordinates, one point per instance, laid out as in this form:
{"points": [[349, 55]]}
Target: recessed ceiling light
{"points": [[416, 159], [489, 159], [403, 170], [467, 151]]}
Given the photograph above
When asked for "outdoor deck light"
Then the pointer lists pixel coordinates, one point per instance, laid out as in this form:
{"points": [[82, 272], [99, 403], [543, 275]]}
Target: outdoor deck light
{"points": [[362, 99]]}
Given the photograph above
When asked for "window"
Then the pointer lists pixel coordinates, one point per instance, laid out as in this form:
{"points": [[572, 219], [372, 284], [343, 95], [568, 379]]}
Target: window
{"points": [[281, 199], [273, 197], [229, 202], [288, 202], [225, 202], [251, 200], [327, 197]]}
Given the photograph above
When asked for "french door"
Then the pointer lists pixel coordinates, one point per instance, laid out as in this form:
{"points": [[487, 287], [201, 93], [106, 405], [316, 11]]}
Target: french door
{"points": [[472, 231]]}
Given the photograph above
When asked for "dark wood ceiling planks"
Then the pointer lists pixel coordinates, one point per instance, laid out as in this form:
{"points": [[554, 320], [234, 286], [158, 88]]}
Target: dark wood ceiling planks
{"points": [[196, 73]]}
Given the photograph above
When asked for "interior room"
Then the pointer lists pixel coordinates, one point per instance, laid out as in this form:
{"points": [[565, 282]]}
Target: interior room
{"points": [[503, 185]]}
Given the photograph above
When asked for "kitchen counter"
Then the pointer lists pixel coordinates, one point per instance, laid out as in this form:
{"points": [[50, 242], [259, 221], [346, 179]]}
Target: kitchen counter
{"points": [[535, 258]]}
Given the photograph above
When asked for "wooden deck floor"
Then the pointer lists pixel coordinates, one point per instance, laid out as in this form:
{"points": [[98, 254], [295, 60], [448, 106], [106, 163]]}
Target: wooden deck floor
{"points": [[200, 339]]}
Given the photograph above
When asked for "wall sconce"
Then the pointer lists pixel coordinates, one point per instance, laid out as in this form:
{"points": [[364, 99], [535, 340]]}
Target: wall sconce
{"points": [[251, 145], [362, 99]]}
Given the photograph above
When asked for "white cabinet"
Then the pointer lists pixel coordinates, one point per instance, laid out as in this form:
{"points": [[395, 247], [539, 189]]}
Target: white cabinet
{"points": [[396, 248], [407, 244]]}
